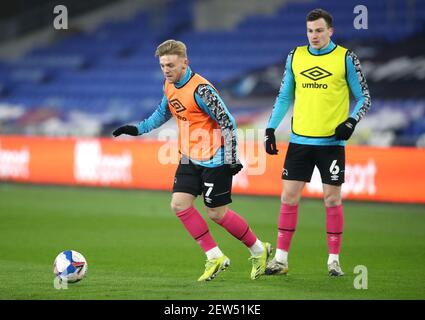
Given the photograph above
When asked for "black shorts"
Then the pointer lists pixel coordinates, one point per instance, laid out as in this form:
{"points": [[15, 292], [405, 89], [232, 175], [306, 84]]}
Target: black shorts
{"points": [[301, 159], [214, 183]]}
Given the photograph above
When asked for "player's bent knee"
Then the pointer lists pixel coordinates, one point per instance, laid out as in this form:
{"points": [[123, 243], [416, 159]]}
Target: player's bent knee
{"points": [[216, 214], [178, 206]]}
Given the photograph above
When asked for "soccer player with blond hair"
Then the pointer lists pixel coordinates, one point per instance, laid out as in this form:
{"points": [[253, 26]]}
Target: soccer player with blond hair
{"points": [[209, 160]]}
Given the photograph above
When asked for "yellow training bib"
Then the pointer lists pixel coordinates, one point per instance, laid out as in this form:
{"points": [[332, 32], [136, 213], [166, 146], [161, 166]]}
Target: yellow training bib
{"points": [[321, 92]]}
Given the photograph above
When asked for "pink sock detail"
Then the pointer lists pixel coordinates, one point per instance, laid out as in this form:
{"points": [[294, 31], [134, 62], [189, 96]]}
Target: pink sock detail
{"points": [[238, 228], [288, 220], [197, 227], [334, 228]]}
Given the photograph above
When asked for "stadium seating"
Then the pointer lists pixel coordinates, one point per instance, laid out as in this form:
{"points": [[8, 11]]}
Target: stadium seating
{"points": [[114, 66]]}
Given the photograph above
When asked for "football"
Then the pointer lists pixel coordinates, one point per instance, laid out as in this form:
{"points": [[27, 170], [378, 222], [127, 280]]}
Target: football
{"points": [[70, 266]]}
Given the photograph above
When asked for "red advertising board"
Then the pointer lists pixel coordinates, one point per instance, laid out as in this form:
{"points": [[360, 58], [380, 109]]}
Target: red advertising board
{"points": [[394, 174]]}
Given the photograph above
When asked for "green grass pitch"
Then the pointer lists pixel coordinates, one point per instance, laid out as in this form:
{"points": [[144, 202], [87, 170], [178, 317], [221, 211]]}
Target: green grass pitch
{"points": [[137, 249]]}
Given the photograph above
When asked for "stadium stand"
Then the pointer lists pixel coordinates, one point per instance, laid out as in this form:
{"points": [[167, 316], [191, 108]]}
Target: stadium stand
{"points": [[109, 75]]}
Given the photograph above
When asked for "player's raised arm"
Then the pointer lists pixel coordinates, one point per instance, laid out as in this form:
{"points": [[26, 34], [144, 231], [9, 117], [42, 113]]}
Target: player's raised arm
{"points": [[161, 115]]}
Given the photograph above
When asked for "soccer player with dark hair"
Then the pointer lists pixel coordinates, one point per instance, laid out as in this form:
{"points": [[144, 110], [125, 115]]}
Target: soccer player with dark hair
{"points": [[208, 148], [317, 79]]}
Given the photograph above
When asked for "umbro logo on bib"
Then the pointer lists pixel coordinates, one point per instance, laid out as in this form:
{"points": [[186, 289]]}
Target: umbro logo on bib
{"points": [[316, 73], [177, 105]]}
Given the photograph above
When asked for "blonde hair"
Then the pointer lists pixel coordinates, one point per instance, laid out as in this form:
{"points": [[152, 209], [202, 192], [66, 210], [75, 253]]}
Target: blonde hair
{"points": [[171, 47]]}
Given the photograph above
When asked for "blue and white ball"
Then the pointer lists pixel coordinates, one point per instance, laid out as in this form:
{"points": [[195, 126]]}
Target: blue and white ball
{"points": [[70, 266]]}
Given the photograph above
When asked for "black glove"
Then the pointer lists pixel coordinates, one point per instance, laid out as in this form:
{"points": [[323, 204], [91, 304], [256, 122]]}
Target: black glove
{"points": [[127, 129], [345, 129], [233, 168], [270, 141]]}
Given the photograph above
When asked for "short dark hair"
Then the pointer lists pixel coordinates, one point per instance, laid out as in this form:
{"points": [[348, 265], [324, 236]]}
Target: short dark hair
{"points": [[316, 14]]}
